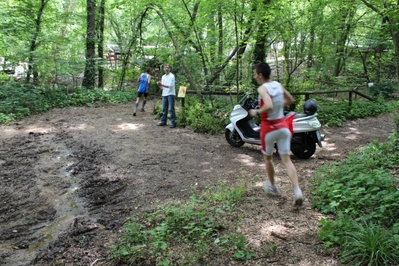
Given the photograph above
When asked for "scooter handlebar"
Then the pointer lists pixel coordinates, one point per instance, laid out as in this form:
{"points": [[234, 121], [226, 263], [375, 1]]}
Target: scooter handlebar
{"points": [[249, 103]]}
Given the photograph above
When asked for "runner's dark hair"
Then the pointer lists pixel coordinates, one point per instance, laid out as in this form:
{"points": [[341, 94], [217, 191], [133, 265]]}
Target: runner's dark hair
{"points": [[264, 69]]}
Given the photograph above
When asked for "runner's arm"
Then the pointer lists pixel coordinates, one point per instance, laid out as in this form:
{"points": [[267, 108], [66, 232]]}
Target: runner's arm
{"points": [[288, 99], [267, 103]]}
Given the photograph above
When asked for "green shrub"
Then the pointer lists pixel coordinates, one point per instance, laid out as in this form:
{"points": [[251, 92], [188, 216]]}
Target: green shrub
{"points": [[332, 233], [384, 89], [361, 186], [336, 113], [5, 119], [208, 117], [362, 192], [18, 100]]}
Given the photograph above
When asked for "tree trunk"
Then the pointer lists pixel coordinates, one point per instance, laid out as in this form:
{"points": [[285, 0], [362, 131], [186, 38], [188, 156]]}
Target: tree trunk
{"points": [[347, 16], [89, 74], [394, 29], [220, 37], [33, 44], [260, 52], [100, 46]]}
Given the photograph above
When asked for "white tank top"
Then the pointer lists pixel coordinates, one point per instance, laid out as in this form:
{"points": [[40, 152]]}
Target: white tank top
{"points": [[275, 90]]}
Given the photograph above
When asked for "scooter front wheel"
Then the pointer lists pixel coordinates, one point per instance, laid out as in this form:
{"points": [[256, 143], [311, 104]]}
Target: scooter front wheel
{"points": [[233, 138]]}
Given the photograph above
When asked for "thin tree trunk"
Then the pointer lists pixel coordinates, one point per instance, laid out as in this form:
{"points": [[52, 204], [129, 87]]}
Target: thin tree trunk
{"points": [[68, 9], [34, 43], [347, 16]]}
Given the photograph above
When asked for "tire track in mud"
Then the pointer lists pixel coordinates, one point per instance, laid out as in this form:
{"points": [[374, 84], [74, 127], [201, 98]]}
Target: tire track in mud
{"points": [[39, 203], [24, 209]]}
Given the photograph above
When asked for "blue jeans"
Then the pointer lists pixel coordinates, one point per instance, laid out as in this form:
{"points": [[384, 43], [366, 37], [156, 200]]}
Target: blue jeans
{"points": [[168, 102]]}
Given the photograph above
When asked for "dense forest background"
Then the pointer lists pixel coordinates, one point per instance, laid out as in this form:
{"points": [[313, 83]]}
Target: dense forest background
{"points": [[210, 44]]}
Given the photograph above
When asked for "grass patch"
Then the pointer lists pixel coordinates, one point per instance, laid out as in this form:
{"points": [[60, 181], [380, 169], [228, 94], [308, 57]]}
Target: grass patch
{"points": [[184, 233]]}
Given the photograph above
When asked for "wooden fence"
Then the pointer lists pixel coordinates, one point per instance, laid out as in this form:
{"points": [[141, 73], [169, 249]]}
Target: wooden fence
{"points": [[307, 94]]}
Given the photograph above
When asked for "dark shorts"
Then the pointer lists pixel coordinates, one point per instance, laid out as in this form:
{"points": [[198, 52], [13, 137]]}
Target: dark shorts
{"points": [[139, 94]]}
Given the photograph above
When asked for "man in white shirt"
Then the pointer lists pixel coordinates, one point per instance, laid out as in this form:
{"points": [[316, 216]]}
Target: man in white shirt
{"points": [[168, 97]]}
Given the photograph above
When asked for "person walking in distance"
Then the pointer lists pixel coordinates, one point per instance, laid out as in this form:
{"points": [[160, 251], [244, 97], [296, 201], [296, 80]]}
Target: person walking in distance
{"points": [[274, 129], [144, 86], [167, 84]]}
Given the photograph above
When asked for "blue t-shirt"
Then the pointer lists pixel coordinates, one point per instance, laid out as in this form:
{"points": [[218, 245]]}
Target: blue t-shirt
{"points": [[143, 86]]}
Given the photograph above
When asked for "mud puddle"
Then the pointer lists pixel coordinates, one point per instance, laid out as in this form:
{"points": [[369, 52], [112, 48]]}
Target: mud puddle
{"points": [[50, 190]]}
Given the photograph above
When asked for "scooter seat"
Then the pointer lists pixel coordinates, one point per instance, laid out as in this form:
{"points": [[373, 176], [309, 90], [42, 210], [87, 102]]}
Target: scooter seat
{"points": [[300, 115], [287, 114]]}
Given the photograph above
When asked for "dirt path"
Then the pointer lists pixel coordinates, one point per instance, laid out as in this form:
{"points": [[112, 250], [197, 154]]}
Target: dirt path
{"points": [[71, 177]]}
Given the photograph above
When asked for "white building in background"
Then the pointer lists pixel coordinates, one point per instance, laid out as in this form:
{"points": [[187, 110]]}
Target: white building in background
{"points": [[13, 71]]}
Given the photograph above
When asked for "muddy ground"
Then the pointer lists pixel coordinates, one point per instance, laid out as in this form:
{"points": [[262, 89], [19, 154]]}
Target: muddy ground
{"points": [[70, 178]]}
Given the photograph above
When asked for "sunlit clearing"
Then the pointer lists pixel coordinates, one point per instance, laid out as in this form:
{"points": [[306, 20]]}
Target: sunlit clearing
{"points": [[351, 137], [353, 130], [129, 126], [33, 128], [328, 146], [259, 184], [36, 129], [81, 127], [246, 159], [270, 229], [206, 167], [9, 132]]}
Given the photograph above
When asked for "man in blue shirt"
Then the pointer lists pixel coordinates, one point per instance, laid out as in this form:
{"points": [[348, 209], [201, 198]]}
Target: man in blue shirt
{"points": [[144, 86]]}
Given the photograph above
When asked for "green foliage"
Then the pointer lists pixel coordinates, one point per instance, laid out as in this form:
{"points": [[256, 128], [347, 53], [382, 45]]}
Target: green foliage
{"points": [[363, 243], [395, 115], [158, 111], [332, 233], [4, 77], [20, 100], [360, 185], [336, 113], [371, 244], [192, 227], [242, 252], [384, 89], [208, 117], [5, 119], [362, 191]]}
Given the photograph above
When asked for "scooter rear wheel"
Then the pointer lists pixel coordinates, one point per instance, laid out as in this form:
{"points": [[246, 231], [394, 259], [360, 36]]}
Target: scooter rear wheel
{"points": [[233, 138], [304, 149]]}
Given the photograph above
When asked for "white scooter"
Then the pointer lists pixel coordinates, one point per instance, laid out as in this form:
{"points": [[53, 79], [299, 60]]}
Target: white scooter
{"points": [[243, 129]]}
